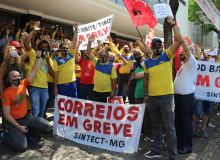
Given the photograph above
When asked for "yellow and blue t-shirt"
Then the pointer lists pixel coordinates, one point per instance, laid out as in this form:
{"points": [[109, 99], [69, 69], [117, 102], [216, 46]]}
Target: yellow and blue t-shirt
{"points": [[40, 80], [129, 58], [65, 67], [103, 76], [160, 74]]}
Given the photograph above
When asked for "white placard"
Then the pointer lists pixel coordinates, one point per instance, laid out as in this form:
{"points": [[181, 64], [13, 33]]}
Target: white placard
{"points": [[115, 127], [101, 29], [162, 10], [208, 81]]}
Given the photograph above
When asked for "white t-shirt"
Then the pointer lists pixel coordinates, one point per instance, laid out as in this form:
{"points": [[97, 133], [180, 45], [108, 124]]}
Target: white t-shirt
{"points": [[185, 79]]}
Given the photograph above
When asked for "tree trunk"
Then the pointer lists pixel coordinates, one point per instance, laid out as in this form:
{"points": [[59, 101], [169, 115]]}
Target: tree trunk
{"points": [[167, 29]]}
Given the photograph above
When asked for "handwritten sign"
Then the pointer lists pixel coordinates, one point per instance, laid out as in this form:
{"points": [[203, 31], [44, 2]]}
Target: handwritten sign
{"points": [[162, 10]]}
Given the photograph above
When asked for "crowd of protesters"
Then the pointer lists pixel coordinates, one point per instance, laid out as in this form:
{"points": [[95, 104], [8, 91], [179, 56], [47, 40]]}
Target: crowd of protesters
{"points": [[33, 71]]}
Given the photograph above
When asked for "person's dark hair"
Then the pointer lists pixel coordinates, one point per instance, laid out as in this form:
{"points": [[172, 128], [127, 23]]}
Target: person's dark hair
{"points": [[43, 41], [62, 45], [82, 53], [138, 61]]}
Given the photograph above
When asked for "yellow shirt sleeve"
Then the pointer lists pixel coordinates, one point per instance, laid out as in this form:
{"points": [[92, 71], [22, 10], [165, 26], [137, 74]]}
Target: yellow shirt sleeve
{"points": [[121, 51], [93, 51], [113, 48], [17, 36], [217, 61], [169, 54], [55, 66], [94, 61], [145, 69], [113, 73], [53, 35], [72, 51]]}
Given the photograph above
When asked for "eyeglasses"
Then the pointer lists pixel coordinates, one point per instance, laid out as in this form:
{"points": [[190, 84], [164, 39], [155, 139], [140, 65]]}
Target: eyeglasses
{"points": [[157, 44], [64, 48]]}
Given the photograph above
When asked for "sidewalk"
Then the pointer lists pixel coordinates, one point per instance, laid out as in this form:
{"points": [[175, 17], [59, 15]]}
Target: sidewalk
{"points": [[55, 147]]}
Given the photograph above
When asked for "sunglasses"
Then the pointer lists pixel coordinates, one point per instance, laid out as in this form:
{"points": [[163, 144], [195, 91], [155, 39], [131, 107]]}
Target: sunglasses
{"points": [[157, 44], [65, 48]]}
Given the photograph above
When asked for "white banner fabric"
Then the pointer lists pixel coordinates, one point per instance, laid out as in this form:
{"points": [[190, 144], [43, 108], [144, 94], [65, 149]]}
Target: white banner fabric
{"points": [[101, 29], [115, 127], [208, 81]]}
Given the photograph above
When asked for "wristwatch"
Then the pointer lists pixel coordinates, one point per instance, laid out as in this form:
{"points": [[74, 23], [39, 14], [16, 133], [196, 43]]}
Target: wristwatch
{"points": [[145, 95], [174, 24], [37, 57]]}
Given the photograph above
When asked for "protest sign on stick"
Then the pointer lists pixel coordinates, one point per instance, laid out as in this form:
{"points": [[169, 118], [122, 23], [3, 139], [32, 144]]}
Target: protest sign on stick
{"points": [[162, 10], [101, 29], [115, 127]]}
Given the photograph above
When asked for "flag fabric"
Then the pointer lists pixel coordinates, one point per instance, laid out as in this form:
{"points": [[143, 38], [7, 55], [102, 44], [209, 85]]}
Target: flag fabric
{"points": [[177, 62], [141, 13]]}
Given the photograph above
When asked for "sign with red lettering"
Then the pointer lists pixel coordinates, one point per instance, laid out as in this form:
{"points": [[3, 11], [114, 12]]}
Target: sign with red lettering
{"points": [[208, 81], [115, 127], [101, 29], [115, 100]]}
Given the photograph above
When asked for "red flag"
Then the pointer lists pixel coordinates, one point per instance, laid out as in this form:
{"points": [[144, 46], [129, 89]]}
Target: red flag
{"points": [[140, 13], [177, 62]]}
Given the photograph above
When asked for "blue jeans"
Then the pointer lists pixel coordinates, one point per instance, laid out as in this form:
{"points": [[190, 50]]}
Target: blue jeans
{"points": [[204, 107], [50, 93], [38, 98], [183, 120], [162, 110], [67, 89], [86, 90], [77, 86]]}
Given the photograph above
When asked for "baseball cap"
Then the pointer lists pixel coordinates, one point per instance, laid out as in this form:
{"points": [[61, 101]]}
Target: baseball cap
{"points": [[54, 49], [156, 39], [15, 43]]}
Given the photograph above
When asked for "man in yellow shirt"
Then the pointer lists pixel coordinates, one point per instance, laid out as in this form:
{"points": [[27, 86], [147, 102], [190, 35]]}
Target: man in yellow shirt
{"points": [[38, 89], [104, 72], [158, 80], [64, 67]]}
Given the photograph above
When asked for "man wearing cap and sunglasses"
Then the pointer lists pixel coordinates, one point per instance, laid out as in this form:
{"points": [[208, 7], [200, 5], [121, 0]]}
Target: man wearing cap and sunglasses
{"points": [[158, 80]]}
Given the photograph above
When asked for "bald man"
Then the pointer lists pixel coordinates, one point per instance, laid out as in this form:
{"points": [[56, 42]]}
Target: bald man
{"points": [[18, 123]]}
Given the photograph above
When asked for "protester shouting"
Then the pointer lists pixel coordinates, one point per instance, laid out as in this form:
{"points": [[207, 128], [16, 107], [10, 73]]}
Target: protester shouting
{"points": [[104, 72], [158, 80]]}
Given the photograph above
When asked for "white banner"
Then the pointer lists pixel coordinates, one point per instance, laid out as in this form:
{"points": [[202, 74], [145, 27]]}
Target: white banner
{"points": [[101, 29], [115, 127], [208, 81], [211, 11], [162, 10]]}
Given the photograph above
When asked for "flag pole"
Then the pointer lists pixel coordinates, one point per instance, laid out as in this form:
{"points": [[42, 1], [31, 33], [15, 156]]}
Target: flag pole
{"points": [[139, 33]]}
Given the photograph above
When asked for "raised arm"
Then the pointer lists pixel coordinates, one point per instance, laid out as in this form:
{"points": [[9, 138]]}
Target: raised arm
{"points": [[27, 24], [203, 52], [77, 49], [6, 38], [112, 46], [31, 34], [123, 59], [75, 36], [175, 46], [35, 67], [186, 50], [196, 47], [90, 40]]}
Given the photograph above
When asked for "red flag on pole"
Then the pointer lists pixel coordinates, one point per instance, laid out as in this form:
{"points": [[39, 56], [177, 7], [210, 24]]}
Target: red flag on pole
{"points": [[140, 13], [177, 62]]}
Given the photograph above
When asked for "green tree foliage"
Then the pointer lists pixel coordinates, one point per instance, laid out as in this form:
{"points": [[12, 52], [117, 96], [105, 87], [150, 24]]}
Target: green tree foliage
{"points": [[193, 17]]}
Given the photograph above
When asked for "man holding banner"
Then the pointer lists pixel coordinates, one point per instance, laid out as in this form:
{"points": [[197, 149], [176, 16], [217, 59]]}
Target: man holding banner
{"points": [[104, 72], [64, 67], [158, 80]]}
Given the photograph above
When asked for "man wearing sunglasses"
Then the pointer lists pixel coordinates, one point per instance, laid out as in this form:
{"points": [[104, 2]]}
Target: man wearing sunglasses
{"points": [[158, 80], [64, 67]]}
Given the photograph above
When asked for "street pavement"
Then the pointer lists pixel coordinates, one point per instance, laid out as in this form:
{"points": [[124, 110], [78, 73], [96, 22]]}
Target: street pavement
{"points": [[58, 148]]}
